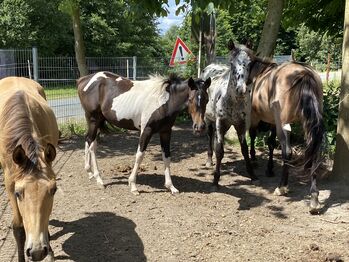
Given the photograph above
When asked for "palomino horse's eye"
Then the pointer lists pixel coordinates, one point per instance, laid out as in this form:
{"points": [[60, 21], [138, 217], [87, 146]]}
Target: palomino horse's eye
{"points": [[18, 195]]}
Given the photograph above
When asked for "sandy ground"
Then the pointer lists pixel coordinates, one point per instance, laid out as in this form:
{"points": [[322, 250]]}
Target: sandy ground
{"points": [[241, 222]]}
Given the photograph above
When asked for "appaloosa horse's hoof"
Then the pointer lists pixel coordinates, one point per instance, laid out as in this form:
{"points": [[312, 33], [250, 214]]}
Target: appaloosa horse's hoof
{"points": [[281, 191]]}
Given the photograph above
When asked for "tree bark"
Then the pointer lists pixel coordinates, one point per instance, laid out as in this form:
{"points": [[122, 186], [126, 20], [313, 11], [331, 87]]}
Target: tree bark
{"points": [[341, 163], [79, 42], [271, 28]]}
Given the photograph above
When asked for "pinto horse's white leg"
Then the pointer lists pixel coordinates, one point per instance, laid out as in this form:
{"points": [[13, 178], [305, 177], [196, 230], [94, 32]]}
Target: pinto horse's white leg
{"points": [[93, 160], [88, 161], [168, 180], [132, 178]]}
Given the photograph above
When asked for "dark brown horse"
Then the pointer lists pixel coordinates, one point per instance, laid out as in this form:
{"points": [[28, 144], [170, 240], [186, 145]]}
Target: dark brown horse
{"points": [[150, 106], [282, 95], [29, 135]]}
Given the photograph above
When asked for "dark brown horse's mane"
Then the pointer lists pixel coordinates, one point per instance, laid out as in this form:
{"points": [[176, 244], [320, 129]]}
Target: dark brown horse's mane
{"points": [[172, 83], [17, 130]]}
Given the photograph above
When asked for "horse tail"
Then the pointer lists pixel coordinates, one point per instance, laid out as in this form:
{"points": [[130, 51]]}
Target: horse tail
{"points": [[310, 106]]}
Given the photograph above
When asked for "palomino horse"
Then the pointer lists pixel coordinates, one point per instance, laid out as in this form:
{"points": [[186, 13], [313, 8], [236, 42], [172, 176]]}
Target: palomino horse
{"points": [[29, 135], [284, 94], [229, 104], [150, 106]]}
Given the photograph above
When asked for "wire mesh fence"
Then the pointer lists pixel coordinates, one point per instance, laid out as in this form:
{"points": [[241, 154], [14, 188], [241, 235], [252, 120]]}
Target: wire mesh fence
{"points": [[58, 74]]}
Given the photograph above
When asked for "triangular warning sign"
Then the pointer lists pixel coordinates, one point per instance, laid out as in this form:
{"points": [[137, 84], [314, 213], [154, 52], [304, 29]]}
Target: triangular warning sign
{"points": [[180, 54]]}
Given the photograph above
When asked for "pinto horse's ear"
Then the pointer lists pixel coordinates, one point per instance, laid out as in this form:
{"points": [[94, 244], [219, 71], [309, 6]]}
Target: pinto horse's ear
{"points": [[207, 83], [50, 153], [19, 156], [191, 84], [231, 45]]}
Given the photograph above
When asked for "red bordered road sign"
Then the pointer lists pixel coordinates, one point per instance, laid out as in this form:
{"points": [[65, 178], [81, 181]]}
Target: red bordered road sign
{"points": [[180, 54]]}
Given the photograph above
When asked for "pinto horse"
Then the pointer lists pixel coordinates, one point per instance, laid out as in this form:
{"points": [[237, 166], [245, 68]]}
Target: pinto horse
{"points": [[282, 95], [229, 104], [29, 135], [150, 106]]}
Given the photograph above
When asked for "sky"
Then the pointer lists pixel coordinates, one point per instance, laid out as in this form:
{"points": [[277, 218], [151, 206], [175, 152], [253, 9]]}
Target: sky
{"points": [[166, 22]]}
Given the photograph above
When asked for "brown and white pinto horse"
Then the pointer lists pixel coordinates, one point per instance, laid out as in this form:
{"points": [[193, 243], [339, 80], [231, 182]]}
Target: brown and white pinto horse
{"points": [[282, 95], [150, 106], [29, 135]]}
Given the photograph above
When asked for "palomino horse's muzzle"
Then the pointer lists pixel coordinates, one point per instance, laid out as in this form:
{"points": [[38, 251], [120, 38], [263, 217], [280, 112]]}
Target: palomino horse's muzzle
{"points": [[37, 254]]}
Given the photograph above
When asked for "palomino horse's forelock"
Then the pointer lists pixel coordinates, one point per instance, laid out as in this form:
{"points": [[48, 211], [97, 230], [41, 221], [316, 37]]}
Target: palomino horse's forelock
{"points": [[21, 132]]}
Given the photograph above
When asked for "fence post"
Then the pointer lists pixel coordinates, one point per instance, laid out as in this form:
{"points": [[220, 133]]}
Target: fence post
{"points": [[35, 63], [134, 67]]}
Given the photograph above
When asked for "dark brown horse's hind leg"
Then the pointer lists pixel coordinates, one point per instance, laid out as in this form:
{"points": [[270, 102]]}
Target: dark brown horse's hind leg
{"points": [[253, 134], [210, 135], [314, 194], [19, 235]]}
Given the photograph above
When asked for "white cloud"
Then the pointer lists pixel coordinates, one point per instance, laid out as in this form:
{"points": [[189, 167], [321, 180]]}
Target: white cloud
{"points": [[171, 19]]}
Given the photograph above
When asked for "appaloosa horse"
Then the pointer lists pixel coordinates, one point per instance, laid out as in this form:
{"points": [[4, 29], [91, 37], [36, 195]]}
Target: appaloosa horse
{"points": [[29, 135], [150, 106], [282, 95], [229, 104]]}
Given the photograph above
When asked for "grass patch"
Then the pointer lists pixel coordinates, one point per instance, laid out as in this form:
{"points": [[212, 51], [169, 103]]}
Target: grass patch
{"points": [[60, 92]]}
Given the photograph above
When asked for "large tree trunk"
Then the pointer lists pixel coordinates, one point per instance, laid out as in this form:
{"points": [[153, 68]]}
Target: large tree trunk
{"points": [[341, 163], [271, 28], [79, 42]]}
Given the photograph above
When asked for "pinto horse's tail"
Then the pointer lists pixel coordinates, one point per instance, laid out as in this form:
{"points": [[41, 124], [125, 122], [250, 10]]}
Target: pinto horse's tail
{"points": [[310, 104]]}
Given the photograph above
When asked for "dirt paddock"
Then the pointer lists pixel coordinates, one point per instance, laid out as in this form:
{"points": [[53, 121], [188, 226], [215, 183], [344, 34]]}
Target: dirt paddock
{"points": [[241, 222]]}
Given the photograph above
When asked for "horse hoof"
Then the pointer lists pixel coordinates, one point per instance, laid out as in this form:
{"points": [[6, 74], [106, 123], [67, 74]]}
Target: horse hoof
{"points": [[315, 207], [256, 182], [281, 191], [135, 192], [209, 164], [173, 190], [90, 175]]}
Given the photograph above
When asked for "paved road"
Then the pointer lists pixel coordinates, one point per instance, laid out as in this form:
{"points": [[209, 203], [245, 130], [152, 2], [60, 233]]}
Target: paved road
{"points": [[67, 109]]}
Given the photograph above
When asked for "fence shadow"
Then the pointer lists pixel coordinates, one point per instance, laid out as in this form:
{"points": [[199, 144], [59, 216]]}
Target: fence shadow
{"points": [[101, 236]]}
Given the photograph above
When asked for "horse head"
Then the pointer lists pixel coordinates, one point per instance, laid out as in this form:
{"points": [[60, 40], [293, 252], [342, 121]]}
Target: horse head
{"points": [[240, 63], [34, 189], [198, 99]]}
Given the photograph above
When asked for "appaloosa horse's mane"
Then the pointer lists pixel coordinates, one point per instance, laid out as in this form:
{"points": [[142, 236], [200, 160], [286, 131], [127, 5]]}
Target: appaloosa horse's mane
{"points": [[18, 129]]}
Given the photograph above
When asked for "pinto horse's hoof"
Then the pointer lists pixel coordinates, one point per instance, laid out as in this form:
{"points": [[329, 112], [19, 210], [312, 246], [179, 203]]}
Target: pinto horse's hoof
{"points": [[281, 191], [174, 191], [135, 192]]}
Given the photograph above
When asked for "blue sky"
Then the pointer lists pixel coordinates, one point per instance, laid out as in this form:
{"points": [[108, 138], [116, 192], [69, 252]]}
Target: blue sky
{"points": [[166, 22]]}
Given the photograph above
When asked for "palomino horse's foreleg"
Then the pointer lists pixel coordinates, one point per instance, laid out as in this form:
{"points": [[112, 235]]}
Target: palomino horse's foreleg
{"points": [[210, 135], [244, 150], [142, 146], [165, 139], [50, 255], [19, 235], [271, 145]]}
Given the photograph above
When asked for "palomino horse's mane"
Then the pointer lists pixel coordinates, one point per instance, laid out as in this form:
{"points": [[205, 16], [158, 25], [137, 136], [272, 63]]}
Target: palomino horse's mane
{"points": [[17, 129]]}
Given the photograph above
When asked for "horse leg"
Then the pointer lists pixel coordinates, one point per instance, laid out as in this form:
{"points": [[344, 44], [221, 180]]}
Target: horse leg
{"points": [[142, 146], [221, 129], [91, 147], [314, 196], [165, 138], [19, 234], [210, 134], [253, 134], [271, 145], [241, 132], [284, 139], [50, 254]]}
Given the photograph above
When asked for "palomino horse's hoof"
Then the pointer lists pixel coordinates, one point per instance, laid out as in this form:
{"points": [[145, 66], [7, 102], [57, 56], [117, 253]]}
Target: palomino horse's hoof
{"points": [[281, 191]]}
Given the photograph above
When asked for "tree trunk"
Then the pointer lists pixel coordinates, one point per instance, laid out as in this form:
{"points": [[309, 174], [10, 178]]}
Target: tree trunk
{"points": [[79, 42], [341, 163], [271, 28]]}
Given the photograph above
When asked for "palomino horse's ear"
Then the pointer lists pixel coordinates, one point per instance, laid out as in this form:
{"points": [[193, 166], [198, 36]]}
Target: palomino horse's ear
{"points": [[19, 156], [231, 45], [191, 84], [207, 83], [50, 153]]}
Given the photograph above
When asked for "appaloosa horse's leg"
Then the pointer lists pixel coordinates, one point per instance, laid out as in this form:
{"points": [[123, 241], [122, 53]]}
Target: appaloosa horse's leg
{"points": [[221, 129], [165, 139], [271, 145], [241, 132], [142, 146], [210, 135]]}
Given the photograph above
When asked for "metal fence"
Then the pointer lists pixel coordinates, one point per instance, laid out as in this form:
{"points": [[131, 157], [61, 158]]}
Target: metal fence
{"points": [[58, 74]]}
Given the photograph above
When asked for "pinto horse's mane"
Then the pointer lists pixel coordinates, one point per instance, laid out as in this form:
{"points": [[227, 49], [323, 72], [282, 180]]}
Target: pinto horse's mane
{"points": [[17, 129]]}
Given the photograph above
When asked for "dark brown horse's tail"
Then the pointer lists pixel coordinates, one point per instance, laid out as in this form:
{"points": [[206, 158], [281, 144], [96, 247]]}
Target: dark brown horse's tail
{"points": [[310, 106]]}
